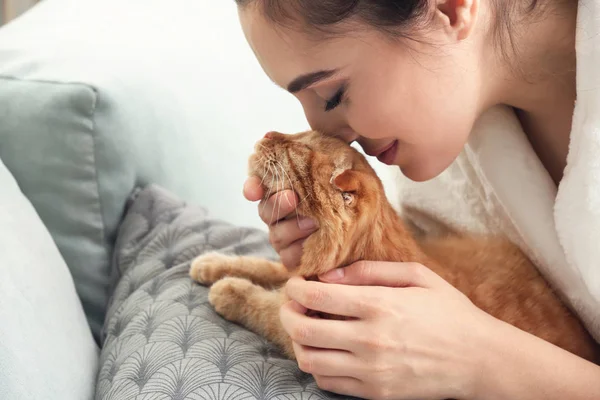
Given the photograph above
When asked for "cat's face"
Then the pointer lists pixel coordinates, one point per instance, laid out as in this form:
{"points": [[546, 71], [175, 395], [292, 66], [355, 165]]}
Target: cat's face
{"points": [[335, 184]]}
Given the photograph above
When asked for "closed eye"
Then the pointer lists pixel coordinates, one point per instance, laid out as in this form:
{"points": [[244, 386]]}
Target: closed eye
{"points": [[336, 100]]}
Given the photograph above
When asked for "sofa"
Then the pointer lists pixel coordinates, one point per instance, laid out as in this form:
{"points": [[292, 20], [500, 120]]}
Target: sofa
{"points": [[125, 128]]}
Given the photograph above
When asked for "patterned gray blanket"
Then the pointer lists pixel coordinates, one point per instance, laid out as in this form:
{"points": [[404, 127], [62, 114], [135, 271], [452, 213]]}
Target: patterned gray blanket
{"points": [[162, 339]]}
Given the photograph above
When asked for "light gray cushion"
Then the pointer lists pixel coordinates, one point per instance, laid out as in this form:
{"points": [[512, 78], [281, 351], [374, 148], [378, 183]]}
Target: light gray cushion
{"points": [[46, 347], [163, 338], [48, 142]]}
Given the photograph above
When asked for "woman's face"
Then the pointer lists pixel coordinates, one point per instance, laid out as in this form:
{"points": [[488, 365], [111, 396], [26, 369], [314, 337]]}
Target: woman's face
{"points": [[415, 100]]}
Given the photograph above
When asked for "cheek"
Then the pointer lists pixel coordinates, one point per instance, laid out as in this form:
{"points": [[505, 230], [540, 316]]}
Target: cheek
{"points": [[434, 146], [430, 116], [408, 102]]}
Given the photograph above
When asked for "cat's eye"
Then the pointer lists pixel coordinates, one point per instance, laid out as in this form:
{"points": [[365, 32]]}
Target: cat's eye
{"points": [[348, 198]]}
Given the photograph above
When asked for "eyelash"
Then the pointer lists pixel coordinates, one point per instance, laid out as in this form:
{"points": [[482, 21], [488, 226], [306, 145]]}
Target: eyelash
{"points": [[336, 100]]}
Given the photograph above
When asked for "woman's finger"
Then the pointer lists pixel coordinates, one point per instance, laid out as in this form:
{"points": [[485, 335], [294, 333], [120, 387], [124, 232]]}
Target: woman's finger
{"points": [[315, 332], [389, 274], [290, 256], [342, 385], [342, 300], [278, 206], [253, 191], [285, 232], [318, 361]]}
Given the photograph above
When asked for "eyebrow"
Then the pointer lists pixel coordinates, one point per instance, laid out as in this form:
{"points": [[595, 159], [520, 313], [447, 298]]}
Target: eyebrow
{"points": [[304, 81]]}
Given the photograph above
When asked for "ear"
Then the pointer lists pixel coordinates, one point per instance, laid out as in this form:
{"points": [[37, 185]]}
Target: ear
{"points": [[347, 181], [457, 16]]}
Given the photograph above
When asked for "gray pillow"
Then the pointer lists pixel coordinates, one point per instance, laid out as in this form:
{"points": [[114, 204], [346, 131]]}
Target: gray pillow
{"points": [[162, 339], [48, 142]]}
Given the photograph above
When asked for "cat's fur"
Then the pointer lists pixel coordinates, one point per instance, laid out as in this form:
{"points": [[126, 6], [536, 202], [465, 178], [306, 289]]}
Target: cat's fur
{"points": [[341, 191]]}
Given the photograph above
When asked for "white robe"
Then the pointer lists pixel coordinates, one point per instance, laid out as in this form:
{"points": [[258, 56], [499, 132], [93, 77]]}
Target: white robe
{"points": [[499, 185]]}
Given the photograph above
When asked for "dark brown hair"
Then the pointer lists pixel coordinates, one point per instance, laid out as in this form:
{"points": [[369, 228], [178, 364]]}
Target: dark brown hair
{"points": [[393, 17]]}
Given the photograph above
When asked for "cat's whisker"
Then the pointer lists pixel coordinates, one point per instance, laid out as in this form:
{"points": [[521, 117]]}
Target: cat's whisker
{"points": [[261, 159], [298, 205], [289, 180], [262, 146], [265, 155], [274, 185], [284, 175], [263, 179], [279, 180], [291, 188], [266, 169], [268, 194], [272, 182], [303, 199]]}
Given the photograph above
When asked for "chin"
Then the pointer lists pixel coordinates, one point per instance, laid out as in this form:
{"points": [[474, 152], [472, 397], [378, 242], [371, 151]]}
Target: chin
{"points": [[421, 173]]}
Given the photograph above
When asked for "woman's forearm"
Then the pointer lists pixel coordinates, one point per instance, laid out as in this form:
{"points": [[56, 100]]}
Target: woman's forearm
{"points": [[519, 366]]}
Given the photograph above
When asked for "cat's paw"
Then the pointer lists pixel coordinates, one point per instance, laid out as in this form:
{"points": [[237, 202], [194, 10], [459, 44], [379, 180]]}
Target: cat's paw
{"points": [[211, 267], [229, 296]]}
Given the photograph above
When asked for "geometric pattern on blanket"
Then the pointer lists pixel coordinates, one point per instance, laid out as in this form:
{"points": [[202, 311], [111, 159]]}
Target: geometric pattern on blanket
{"points": [[161, 338]]}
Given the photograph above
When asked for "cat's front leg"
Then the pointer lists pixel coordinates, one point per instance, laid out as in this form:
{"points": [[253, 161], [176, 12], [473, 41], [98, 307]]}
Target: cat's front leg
{"points": [[211, 267], [239, 300]]}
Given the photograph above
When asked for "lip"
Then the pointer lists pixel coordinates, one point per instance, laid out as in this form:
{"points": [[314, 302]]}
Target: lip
{"points": [[380, 151], [388, 155]]}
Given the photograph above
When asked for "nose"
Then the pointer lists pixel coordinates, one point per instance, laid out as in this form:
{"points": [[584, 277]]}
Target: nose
{"points": [[331, 125], [271, 135], [347, 134]]}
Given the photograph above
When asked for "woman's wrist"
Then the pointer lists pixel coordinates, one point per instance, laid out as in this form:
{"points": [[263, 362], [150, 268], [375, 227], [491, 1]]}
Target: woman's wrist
{"points": [[519, 366], [500, 372]]}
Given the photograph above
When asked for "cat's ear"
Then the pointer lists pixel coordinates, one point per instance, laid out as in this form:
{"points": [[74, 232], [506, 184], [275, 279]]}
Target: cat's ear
{"points": [[347, 181]]}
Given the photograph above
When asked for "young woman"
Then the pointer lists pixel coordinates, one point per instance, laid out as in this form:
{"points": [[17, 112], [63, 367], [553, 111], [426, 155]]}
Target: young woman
{"points": [[410, 81]]}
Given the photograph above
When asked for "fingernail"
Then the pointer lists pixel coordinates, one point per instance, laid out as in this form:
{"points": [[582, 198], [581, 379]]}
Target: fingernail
{"points": [[306, 224], [333, 275]]}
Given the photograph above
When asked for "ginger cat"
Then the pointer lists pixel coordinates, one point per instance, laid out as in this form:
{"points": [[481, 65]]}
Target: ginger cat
{"points": [[341, 191]]}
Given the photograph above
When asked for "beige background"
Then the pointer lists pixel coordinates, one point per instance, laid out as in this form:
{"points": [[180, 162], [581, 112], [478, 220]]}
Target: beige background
{"points": [[11, 9]]}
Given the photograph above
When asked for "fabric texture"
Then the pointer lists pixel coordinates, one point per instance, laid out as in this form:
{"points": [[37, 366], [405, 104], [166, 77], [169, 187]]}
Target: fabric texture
{"points": [[46, 347], [162, 339], [498, 185]]}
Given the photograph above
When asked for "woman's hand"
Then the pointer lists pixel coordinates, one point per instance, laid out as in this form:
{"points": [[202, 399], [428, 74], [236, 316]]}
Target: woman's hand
{"points": [[411, 334], [287, 231]]}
